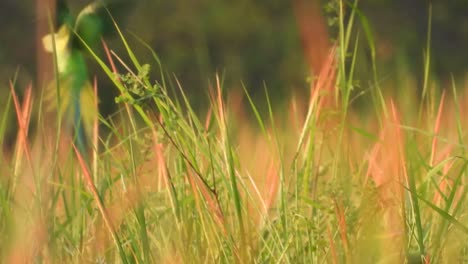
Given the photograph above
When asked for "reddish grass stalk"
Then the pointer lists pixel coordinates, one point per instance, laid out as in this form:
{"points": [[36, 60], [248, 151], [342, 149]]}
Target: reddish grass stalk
{"points": [[400, 141], [30, 246], [402, 163], [272, 185], [109, 57], [163, 176], [325, 82], [387, 168], [23, 114], [332, 244], [220, 105], [437, 129], [208, 118], [89, 181], [322, 93]]}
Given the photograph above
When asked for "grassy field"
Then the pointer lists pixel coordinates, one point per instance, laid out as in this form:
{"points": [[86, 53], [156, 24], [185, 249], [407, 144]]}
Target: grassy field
{"points": [[313, 181]]}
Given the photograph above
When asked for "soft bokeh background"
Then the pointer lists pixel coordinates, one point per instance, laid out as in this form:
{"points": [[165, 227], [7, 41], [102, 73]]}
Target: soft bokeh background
{"points": [[254, 43]]}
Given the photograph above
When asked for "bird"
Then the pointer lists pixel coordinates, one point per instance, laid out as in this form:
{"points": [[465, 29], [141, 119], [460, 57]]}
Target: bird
{"points": [[73, 97]]}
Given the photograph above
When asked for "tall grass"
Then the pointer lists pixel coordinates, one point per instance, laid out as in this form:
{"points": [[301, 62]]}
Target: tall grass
{"points": [[315, 182]]}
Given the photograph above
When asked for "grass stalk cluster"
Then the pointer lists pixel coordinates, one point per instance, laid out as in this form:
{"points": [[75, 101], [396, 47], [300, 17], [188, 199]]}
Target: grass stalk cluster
{"points": [[314, 182]]}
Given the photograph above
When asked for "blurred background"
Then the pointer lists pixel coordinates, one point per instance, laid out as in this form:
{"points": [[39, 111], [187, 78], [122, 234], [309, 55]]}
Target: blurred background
{"points": [[252, 43]]}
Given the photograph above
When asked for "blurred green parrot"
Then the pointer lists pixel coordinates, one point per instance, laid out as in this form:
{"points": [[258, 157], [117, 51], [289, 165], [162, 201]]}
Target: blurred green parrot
{"points": [[76, 104]]}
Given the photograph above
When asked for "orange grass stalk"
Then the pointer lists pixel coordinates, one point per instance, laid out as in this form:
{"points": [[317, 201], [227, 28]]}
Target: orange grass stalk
{"points": [[387, 168], [23, 114], [219, 98], [325, 82], [322, 93], [208, 118], [32, 237], [332, 245], [163, 175], [437, 129], [272, 186], [111, 61]]}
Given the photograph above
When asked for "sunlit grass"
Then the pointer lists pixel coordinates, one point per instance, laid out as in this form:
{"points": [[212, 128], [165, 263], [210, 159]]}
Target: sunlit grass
{"points": [[314, 182]]}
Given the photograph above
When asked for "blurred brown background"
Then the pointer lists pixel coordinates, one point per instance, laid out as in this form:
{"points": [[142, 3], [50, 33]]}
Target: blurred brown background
{"points": [[249, 42]]}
